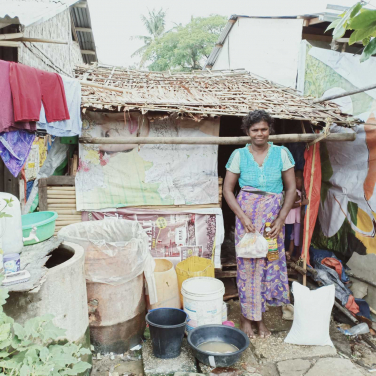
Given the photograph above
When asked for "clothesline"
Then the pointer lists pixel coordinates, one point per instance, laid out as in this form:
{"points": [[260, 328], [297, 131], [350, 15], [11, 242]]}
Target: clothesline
{"points": [[34, 99]]}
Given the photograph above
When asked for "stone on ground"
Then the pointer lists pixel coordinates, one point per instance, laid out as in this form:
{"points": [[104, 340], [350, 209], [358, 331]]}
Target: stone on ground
{"points": [[153, 366], [273, 349], [334, 367], [295, 367]]}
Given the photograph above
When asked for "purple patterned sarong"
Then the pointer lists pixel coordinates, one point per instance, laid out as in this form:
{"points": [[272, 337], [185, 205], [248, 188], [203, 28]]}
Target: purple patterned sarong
{"points": [[15, 148], [261, 281]]}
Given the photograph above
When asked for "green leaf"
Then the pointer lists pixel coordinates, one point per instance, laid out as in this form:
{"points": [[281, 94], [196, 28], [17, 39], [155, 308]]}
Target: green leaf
{"points": [[85, 351], [368, 51], [81, 367], [362, 34], [25, 370], [365, 41], [357, 7], [4, 344], [44, 354], [333, 24], [50, 331], [4, 354], [4, 331], [363, 20], [19, 331]]}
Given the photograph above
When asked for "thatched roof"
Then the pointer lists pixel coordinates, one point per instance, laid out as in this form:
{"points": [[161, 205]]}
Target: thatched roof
{"points": [[198, 94]]}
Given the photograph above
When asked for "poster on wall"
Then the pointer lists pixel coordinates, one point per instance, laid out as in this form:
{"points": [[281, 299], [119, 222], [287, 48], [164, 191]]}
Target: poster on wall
{"points": [[175, 236], [121, 175], [348, 196]]}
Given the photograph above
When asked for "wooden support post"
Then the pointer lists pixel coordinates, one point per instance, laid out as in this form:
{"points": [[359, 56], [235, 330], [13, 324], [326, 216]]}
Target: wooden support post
{"points": [[345, 94], [306, 245], [42, 191]]}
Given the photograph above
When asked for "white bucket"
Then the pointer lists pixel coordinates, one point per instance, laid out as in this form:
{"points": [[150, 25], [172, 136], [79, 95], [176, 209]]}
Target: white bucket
{"points": [[203, 301]]}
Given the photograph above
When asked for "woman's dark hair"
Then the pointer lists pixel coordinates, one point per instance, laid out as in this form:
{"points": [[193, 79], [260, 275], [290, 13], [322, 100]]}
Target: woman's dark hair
{"points": [[255, 117]]}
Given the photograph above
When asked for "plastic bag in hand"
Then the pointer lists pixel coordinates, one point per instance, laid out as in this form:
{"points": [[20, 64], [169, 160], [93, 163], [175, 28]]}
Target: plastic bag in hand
{"points": [[252, 245]]}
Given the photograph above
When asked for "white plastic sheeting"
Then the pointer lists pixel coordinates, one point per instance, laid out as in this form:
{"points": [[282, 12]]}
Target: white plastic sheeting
{"points": [[116, 251]]}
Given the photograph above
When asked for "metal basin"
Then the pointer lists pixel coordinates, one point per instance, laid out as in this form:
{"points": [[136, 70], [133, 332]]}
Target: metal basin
{"points": [[207, 333]]}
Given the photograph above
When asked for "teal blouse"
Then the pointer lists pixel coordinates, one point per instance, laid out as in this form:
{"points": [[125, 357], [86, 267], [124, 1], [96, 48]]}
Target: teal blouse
{"points": [[268, 176]]}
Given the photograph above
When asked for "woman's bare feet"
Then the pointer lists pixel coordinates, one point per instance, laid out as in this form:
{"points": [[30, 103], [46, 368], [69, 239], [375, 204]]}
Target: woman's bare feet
{"points": [[263, 331], [246, 327]]}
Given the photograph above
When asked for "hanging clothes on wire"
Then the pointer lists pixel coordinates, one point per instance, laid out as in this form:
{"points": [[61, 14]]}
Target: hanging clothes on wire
{"points": [[73, 126], [7, 122], [14, 149], [32, 86]]}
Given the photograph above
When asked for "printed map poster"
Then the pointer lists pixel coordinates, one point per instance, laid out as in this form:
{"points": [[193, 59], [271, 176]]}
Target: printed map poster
{"points": [[175, 236], [347, 214], [120, 175]]}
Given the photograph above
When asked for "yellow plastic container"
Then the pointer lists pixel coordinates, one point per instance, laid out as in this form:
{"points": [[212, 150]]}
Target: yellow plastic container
{"points": [[193, 267]]}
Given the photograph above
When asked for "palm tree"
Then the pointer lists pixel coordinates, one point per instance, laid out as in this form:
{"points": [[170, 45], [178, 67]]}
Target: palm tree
{"points": [[155, 25]]}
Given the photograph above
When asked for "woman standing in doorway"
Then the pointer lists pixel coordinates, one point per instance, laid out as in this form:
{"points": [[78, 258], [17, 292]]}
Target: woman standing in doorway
{"points": [[261, 169]]}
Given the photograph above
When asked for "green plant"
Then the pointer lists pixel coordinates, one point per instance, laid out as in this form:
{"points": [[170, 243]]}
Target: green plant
{"points": [[7, 203], [363, 23], [29, 350]]}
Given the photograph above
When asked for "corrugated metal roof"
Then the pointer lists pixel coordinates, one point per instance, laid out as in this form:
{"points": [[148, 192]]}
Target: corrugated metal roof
{"points": [[81, 19], [30, 12]]}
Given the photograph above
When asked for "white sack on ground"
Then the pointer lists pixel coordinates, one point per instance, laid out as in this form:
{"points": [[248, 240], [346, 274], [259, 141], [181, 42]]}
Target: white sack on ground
{"points": [[312, 311]]}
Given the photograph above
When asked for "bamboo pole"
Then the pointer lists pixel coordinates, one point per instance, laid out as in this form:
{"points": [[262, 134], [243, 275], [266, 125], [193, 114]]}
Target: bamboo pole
{"points": [[99, 86], [281, 138], [305, 246], [345, 94]]}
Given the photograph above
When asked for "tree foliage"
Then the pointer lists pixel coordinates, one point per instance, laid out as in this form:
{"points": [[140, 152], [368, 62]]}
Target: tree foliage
{"points": [[185, 47], [362, 22], [155, 26]]}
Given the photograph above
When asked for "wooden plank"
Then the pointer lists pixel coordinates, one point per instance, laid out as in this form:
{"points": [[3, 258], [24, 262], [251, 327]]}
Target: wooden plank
{"points": [[42, 40], [84, 29], [51, 201], [65, 223], [281, 138], [99, 86], [88, 52], [5, 43], [61, 189], [61, 195], [61, 206], [11, 36], [225, 273], [66, 217], [61, 211], [61, 180], [42, 192], [75, 165]]}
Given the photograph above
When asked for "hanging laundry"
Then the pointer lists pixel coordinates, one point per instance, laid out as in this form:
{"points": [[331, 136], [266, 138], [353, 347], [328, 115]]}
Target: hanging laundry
{"points": [[14, 149], [73, 126], [7, 122], [32, 86]]}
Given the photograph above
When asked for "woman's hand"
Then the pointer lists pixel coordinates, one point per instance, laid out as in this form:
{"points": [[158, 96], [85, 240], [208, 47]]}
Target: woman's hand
{"points": [[276, 227], [247, 224], [305, 201]]}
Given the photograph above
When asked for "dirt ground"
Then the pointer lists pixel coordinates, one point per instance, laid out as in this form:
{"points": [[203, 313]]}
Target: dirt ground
{"points": [[266, 357]]}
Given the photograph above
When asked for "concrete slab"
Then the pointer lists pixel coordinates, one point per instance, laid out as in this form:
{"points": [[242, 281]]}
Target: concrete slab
{"points": [[273, 349], [296, 367], [334, 367], [153, 366]]}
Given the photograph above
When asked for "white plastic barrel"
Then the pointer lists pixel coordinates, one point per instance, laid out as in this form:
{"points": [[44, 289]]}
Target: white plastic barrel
{"points": [[10, 225], [203, 300]]}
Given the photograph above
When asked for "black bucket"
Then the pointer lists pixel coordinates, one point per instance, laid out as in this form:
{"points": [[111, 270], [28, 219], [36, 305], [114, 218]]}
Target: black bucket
{"points": [[167, 326]]}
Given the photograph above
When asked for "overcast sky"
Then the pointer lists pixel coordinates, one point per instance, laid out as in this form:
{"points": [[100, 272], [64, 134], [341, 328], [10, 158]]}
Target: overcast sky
{"points": [[115, 21]]}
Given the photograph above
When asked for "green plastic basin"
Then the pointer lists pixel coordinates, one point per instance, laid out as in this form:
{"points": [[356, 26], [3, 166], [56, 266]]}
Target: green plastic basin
{"points": [[44, 222]]}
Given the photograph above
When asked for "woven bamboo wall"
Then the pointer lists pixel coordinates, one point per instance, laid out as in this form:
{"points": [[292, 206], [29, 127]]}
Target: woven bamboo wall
{"points": [[59, 58]]}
